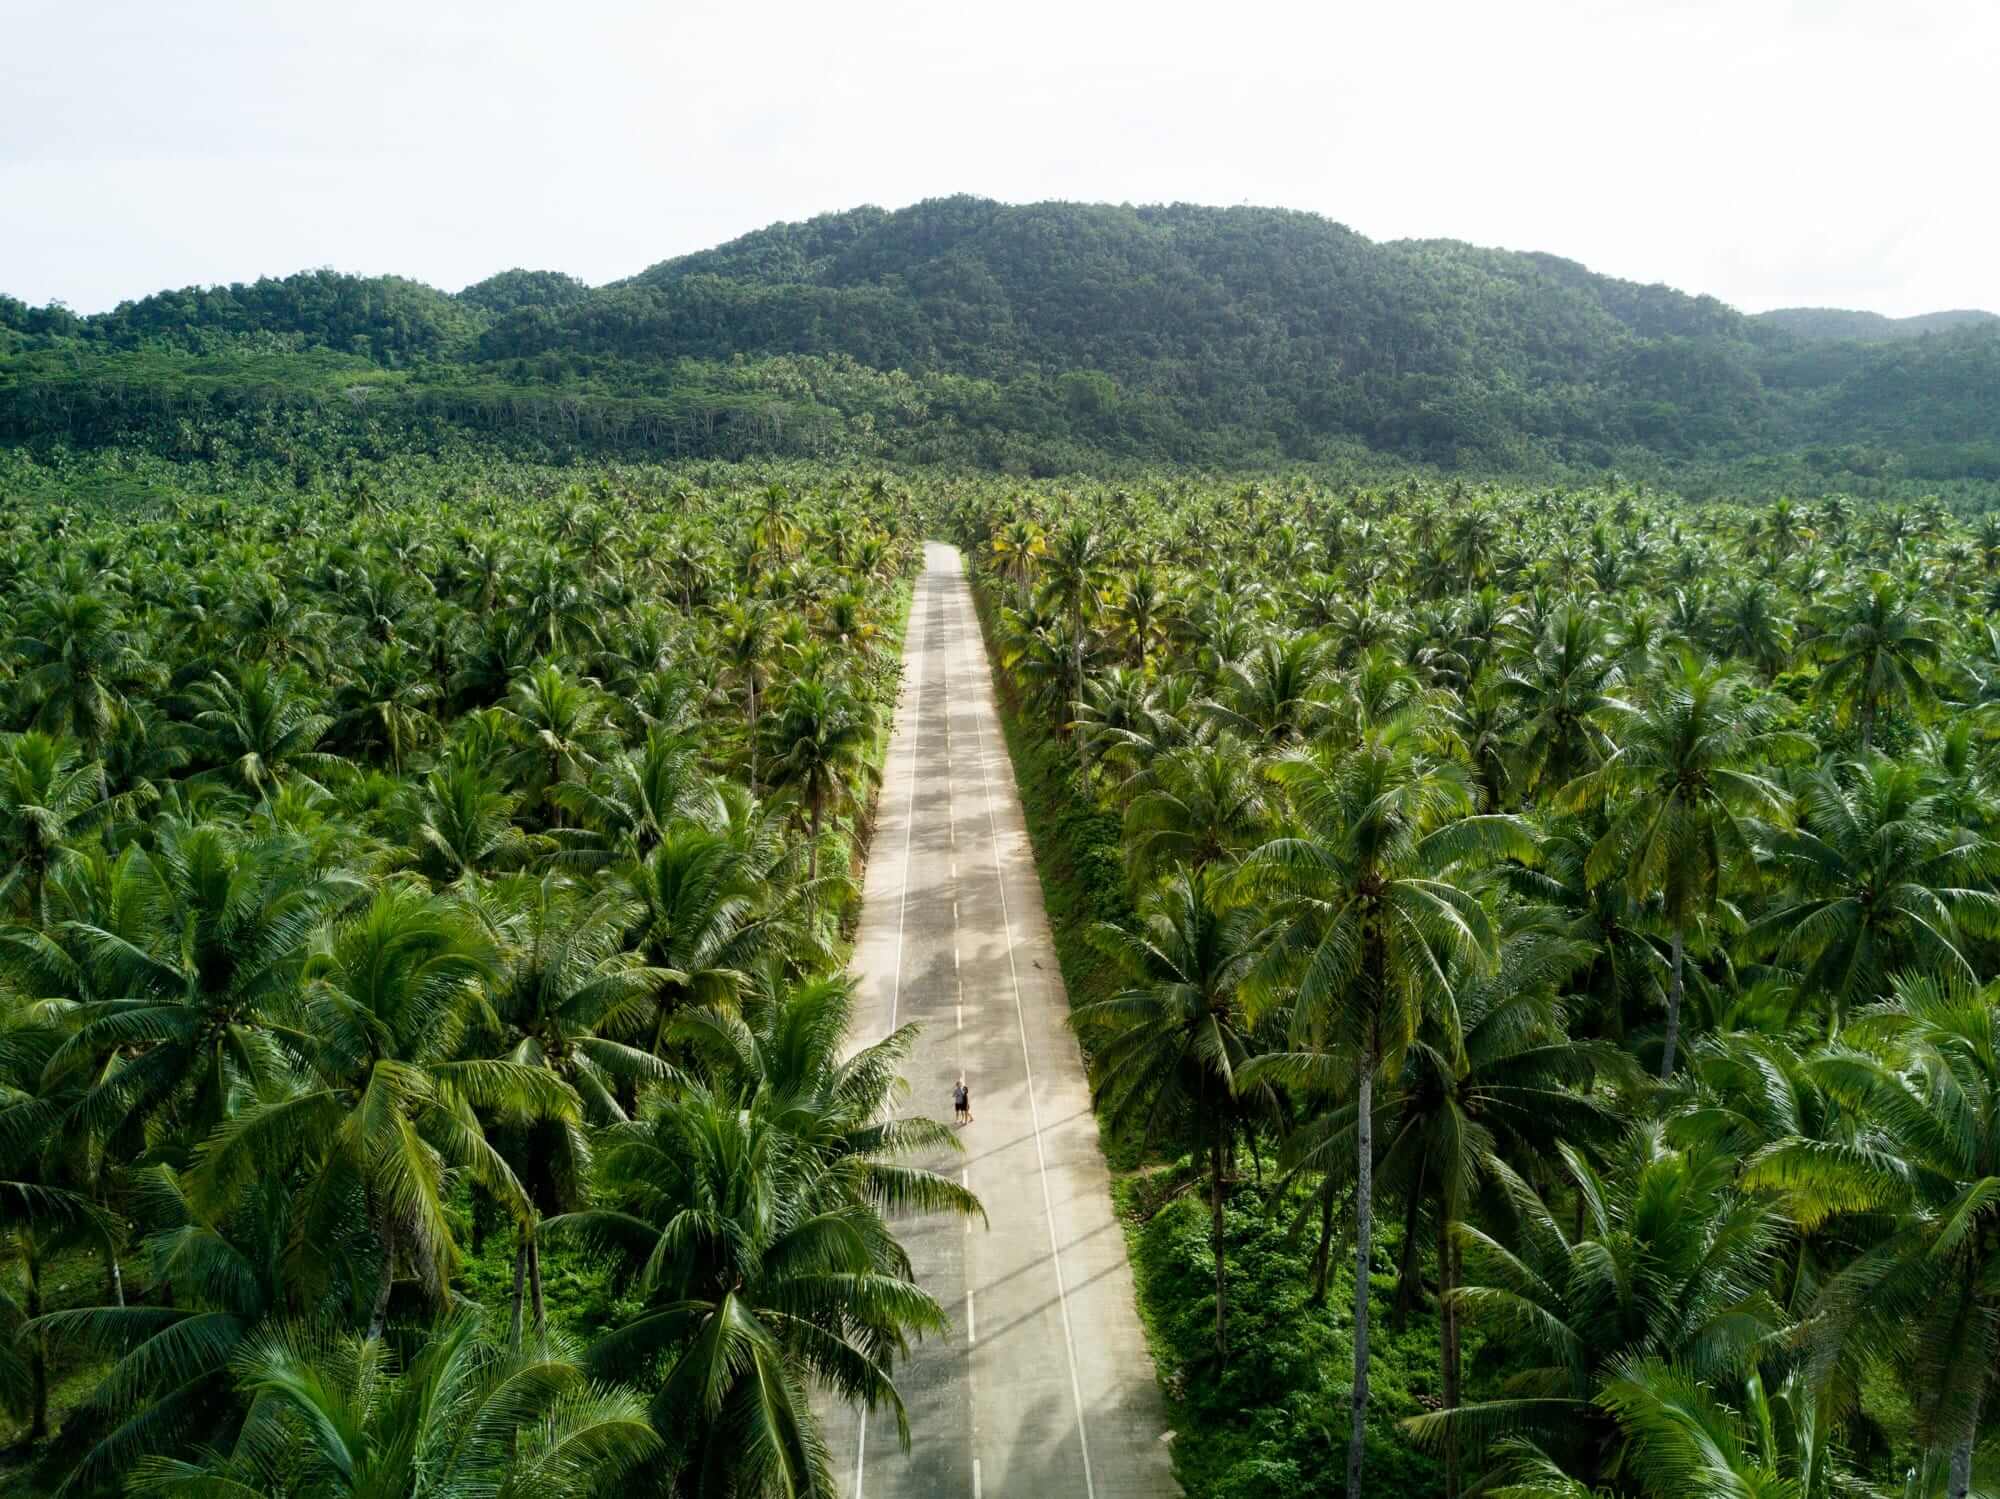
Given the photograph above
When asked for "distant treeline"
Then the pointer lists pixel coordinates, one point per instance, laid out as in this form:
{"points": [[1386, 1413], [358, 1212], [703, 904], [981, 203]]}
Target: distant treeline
{"points": [[1045, 338]]}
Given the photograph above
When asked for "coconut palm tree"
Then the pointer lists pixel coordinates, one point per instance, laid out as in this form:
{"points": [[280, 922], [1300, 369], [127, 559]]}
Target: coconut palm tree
{"points": [[1875, 880], [1669, 1261], [1875, 648], [336, 1415], [384, 1106], [1684, 806], [1369, 914], [819, 741], [1170, 1045], [261, 727], [761, 1279], [50, 796], [1919, 1075]]}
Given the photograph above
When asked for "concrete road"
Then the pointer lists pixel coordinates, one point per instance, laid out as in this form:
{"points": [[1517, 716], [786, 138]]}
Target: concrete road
{"points": [[1044, 1389]]}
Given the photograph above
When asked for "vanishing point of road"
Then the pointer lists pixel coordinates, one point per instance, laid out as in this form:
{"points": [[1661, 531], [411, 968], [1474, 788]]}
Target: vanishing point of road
{"points": [[1044, 1388]]}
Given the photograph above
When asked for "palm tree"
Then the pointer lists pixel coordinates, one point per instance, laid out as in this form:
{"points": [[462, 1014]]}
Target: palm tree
{"points": [[334, 1415], [465, 828], [1876, 881], [1073, 575], [626, 808], [698, 921], [1684, 809], [1668, 1261], [171, 1384], [1875, 648], [565, 976], [385, 701], [1368, 916], [80, 663], [1170, 1045], [744, 643], [761, 1277], [261, 727], [819, 753], [1693, 1435], [1919, 1076], [49, 795], [1204, 804], [1563, 684], [201, 970], [383, 1108], [559, 725]]}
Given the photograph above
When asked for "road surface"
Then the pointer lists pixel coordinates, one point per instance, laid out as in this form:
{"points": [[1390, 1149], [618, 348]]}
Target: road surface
{"points": [[1044, 1388]]}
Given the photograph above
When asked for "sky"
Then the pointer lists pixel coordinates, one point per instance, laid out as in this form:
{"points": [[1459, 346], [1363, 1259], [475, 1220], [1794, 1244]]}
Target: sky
{"points": [[1770, 152]]}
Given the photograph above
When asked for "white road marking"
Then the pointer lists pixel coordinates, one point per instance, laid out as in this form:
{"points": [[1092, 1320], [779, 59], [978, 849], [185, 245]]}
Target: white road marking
{"points": [[976, 1491], [1034, 1118]]}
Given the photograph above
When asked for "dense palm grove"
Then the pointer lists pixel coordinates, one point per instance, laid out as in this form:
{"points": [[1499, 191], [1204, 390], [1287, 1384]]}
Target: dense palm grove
{"points": [[416, 894], [1582, 909]]}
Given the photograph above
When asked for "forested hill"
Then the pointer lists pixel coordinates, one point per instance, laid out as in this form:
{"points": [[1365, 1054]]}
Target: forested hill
{"points": [[1832, 322], [1041, 338]]}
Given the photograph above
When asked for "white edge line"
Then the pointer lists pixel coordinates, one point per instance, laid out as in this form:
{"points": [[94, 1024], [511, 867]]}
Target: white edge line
{"points": [[1034, 1113]]}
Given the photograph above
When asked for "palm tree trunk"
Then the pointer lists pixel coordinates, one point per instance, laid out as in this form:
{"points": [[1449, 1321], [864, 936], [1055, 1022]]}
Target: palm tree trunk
{"points": [[1406, 1269], [812, 845], [1961, 1470], [378, 1317], [1215, 1241], [520, 1275], [38, 1361], [535, 1288], [1325, 1251], [1448, 1345], [1364, 1230], [1673, 1007]]}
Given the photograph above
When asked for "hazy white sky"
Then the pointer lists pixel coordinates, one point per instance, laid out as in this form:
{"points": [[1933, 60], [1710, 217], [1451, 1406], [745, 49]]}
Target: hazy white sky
{"points": [[1772, 152]]}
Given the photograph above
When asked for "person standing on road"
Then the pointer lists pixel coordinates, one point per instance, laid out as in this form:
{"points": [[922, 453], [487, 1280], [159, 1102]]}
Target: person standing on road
{"points": [[961, 1101]]}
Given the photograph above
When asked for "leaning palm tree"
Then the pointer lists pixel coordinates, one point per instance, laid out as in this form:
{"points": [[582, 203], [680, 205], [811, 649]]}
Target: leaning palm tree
{"points": [[1370, 911], [1684, 805], [466, 1419], [1171, 1044]]}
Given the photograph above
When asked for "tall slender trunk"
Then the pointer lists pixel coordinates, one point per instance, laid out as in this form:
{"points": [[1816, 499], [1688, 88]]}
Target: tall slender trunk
{"points": [[1673, 1007], [1325, 1251], [520, 1276], [378, 1317], [1961, 1470], [114, 1275], [1364, 1232], [751, 687], [38, 1361], [1215, 1242], [1448, 1344], [812, 845], [535, 1288], [1407, 1274]]}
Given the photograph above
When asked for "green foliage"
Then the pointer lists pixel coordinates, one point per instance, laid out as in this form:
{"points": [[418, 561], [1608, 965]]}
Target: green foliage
{"points": [[1042, 338]]}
